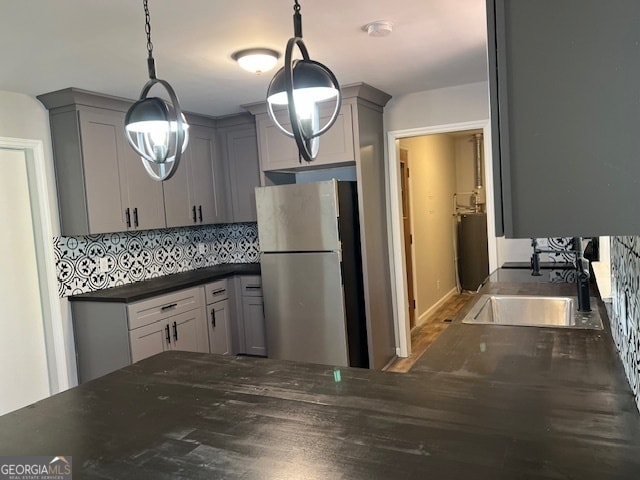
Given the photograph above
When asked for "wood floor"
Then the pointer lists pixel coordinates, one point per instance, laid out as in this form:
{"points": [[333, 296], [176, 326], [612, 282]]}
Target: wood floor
{"points": [[424, 335]]}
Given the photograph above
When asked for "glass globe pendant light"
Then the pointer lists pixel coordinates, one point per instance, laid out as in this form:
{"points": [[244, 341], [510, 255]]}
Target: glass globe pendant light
{"points": [[156, 129], [300, 86]]}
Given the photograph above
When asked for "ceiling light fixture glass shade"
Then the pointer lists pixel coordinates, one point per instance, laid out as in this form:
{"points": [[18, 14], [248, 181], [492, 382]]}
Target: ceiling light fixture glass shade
{"points": [[156, 129], [256, 60], [301, 85]]}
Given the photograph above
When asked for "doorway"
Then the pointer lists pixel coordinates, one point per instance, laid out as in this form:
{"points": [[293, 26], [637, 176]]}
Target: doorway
{"points": [[33, 360], [397, 141]]}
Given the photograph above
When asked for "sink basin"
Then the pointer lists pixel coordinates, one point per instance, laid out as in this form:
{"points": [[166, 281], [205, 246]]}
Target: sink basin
{"points": [[532, 311]]}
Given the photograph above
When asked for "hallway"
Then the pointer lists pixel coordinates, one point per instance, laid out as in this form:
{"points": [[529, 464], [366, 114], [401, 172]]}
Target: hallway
{"points": [[424, 335]]}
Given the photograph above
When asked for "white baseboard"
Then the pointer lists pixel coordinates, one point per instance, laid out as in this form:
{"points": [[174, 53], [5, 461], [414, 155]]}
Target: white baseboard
{"points": [[425, 316]]}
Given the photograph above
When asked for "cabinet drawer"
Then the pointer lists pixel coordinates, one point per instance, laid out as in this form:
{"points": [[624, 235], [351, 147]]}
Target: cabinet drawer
{"points": [[156, 309], [251, 285], [216, 291]]}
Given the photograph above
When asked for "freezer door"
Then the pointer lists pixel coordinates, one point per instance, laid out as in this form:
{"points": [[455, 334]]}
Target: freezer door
{"points": [[304, 307], [298, 217]]}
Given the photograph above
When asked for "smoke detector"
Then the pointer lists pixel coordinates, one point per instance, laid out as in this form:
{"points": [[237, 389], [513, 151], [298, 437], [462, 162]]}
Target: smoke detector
{"points": [[378, 29]]}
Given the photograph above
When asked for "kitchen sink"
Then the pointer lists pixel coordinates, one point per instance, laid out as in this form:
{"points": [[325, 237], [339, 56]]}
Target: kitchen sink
{"points": [[533, 311]]}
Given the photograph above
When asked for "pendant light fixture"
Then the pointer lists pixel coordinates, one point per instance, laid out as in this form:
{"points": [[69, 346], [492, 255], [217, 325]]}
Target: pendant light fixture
{"points": [[300, 86], [155, 128]]}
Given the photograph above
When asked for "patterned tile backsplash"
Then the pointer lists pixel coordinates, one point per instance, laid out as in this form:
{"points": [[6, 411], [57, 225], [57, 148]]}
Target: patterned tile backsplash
{"points": [[625, 318], [134, 256]]}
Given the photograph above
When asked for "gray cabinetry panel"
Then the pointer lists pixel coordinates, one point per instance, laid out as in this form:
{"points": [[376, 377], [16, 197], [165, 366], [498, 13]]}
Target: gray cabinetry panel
{"points": [[244, 173], [563, 77], [279, 152], [254, 328], [218, 320], [193, 196], [219, 334], [101, 182], [248, 329]]}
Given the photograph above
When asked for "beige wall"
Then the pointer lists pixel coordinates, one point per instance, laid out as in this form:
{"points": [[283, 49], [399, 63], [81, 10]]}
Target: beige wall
{"points": [[432, 185]]}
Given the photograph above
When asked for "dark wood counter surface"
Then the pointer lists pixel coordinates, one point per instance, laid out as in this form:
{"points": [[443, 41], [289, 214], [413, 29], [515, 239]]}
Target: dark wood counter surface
{"points": [[484, 402], [157, 286]]}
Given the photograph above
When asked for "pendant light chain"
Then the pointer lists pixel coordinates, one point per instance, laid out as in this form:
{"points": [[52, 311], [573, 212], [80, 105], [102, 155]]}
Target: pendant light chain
{"points": [[151, 64], [155, 128], [297, 20]]}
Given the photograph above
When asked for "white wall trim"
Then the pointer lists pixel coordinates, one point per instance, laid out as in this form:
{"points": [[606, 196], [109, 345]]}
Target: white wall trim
{"points": [[394, 215], [56, 351]]}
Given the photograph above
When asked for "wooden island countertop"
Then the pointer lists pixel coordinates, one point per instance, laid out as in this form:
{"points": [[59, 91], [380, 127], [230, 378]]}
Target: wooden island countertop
{"points": [[484, 402]]}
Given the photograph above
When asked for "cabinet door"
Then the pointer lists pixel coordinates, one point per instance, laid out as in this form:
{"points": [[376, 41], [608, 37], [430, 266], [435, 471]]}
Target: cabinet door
{"points": [[177, 196], [101, 141], [254, 331], [149, 340], [144, 196], [219, 332], [203, 175], [563, 76], [188, 332], [190, 195], [279, 152], [244, 173]]}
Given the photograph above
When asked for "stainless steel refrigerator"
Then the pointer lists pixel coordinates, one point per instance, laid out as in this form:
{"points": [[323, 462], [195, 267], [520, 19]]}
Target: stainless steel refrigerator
{"points": [[312, 273]]}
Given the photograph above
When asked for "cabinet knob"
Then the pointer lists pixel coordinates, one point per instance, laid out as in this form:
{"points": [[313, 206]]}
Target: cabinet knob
{"points": [[166, 328], [193, 210], [200, 212], [175, 331], [135, 216], [213, 317], [127, 215]]}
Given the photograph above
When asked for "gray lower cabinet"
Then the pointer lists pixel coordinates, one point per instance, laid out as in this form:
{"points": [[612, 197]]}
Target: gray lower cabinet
{"points": [[110, 335], [179, 332], [252, 325], [195, 193], [101, 183], [564, 82], [218, 317]]}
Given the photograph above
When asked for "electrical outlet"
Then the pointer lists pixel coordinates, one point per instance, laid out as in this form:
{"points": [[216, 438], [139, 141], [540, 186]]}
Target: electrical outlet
{"points": [[103, 264], [202, 248]]}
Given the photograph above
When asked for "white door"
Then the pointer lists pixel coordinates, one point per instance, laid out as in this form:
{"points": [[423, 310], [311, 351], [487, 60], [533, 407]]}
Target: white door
{"points": [[24, 374]]}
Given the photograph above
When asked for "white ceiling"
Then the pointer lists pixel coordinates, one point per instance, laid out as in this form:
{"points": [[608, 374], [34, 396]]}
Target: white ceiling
{"points": [[100, 45]]}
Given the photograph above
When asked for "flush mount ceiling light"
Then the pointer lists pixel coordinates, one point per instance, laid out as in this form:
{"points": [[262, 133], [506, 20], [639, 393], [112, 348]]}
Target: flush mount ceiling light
{"points": [[300, 85], [155, 128], [256, 60]]}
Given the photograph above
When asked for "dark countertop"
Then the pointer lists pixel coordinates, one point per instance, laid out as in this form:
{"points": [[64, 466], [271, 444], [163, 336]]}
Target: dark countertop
{"points": [[483, 402], [157, 286]]}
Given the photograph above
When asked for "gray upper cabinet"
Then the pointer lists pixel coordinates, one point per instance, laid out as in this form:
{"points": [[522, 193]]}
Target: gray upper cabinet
{"points": [[101, 183], [565, 79], [280, 153], [195, 193], [239, 149]]}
